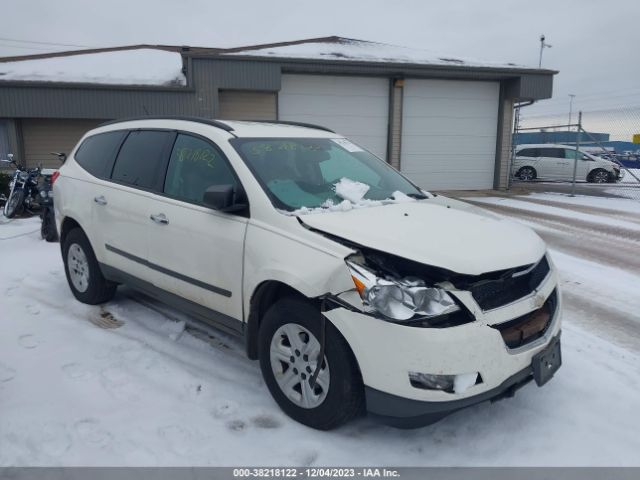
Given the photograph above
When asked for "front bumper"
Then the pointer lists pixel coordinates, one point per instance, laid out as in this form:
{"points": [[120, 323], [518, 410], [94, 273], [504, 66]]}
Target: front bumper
{"points": [[386, 353]]}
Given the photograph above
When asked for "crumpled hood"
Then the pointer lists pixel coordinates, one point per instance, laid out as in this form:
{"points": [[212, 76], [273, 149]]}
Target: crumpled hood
{"points": [[435, 234]]}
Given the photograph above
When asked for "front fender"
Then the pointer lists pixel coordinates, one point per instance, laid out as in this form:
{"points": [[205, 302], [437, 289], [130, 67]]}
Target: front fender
{"points": [[295, 261]]}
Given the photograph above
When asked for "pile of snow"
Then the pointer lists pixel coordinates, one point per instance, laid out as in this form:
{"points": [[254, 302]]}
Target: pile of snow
{"points": [[629, 175], [345, 49], [351, 190], [144, 66], [353, 194]]}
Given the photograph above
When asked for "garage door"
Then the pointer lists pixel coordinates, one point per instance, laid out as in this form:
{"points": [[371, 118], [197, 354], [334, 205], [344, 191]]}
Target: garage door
{"points": [[243, 105], [41, 136], [356, 107], [449, 133]]}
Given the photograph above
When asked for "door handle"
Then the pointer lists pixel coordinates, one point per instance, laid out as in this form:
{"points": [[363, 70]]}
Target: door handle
{"points": [[160, 218], [100, 200]]}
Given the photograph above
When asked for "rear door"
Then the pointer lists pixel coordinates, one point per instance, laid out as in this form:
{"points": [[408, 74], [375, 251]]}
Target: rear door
{"points": [[197, 252], [122, 206], [552, 163]]}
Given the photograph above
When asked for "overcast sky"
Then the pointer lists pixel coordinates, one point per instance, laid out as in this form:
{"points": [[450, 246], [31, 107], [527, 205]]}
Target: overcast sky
{"points": [[594, 43]]}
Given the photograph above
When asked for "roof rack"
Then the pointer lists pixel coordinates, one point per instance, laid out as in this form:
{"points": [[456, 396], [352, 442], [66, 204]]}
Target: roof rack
{"points": [[294, 124], [206, 121]]}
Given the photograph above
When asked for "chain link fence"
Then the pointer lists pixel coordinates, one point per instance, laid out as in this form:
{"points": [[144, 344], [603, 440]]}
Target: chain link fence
{"points": [[587, 153]]}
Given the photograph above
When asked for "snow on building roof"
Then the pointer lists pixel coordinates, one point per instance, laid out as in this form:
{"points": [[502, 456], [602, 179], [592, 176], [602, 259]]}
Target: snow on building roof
{"points": [[348, 49], [140, 66]]}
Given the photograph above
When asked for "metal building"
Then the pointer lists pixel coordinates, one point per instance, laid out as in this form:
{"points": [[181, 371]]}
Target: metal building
{"points": [[445, 122]]}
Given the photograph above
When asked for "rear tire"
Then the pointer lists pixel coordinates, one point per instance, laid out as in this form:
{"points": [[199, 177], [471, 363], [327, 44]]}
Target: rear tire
{"points": [[83, 273], [527, 174], [48, 228], [339, 394], [14, 204]]}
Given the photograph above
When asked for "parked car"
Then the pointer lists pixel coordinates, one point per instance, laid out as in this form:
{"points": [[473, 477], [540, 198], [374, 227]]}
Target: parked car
{"points": [[556, 162], [354, 288]]}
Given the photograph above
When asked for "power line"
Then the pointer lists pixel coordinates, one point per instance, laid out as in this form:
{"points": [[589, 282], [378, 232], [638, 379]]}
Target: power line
{"points": [[39, 49], [44, 43]]}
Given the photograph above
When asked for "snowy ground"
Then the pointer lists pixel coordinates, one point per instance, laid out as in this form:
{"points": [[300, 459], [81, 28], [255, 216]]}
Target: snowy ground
{"points": [[126, 384]]}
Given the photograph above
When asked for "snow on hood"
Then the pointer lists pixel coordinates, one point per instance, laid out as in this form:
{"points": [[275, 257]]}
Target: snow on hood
{"points": [[436, 234], [144, 66]]}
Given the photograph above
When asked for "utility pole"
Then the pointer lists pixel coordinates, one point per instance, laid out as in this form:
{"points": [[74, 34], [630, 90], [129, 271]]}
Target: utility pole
{"points": [[578, 154], [572, 96], [543, 45]]}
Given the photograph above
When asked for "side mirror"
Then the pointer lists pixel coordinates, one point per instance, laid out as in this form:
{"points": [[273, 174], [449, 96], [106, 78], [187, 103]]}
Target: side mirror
{"points": [[221, 198]]}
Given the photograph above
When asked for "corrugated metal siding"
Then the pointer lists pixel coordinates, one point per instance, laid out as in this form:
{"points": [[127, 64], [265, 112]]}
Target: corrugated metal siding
{"points": [[535, 87], [244, 105], [236, 75], [396, 127], [79, 102], [42, 136]]}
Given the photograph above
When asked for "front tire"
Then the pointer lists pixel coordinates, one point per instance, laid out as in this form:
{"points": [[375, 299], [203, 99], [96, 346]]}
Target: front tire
{"points": [[599, 176], [85, 279], [14, 204], [288, 348]]}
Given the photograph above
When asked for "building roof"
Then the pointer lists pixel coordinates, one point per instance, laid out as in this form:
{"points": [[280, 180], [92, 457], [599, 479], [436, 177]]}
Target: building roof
{"points": [[133, 66], [162, 65], [354, 50]]}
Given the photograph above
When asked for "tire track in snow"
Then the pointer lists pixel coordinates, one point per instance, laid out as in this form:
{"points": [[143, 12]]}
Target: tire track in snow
{"points": [[609, 212], [562, 223], [606, 321]]}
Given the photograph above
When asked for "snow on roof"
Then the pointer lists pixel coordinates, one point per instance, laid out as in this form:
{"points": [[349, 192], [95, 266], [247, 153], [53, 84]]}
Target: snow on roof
{"points": [[347, 49], [143, 66]]}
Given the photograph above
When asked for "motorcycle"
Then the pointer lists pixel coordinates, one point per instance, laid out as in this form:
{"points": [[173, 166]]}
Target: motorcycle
{"points": [[23, 189]]}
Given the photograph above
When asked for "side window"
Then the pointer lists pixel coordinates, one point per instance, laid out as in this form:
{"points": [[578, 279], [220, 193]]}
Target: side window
{"points": [[528, 152], [96, 154], [194, 166], [552, 152], [142, 158], [572, 154]]}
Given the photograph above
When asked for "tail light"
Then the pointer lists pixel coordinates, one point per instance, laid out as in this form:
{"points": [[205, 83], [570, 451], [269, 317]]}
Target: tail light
{"points": [[54, 177]]}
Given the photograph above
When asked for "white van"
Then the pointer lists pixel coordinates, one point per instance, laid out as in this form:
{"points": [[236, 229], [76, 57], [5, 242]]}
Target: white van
{"points": [[556, 162]]}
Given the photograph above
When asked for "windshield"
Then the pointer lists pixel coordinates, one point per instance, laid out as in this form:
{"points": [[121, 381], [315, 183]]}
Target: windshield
{"points": [[315, 173]]}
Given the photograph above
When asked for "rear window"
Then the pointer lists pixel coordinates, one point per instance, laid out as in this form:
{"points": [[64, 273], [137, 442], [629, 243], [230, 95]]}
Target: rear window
{"points": [[97, 152], [142, 159], [552, 152]]}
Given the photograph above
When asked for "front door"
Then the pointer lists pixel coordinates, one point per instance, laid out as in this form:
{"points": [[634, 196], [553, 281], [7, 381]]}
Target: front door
{"points": [[195, 251]]}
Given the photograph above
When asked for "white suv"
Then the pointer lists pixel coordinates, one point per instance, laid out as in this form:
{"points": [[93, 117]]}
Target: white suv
{"points": [[556, 162], [353, 287]]}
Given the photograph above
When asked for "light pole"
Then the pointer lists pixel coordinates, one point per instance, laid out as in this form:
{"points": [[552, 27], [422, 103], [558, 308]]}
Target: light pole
{"points": [[543, 45], [572, 96]]}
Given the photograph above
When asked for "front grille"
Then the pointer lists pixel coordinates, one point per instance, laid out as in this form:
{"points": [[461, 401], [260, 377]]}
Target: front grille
{"points": [[528, 328], [509, 286]]}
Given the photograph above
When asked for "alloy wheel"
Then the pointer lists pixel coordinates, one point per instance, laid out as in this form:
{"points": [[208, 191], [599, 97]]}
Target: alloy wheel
{"points": [[293, 355], [78, 267]]}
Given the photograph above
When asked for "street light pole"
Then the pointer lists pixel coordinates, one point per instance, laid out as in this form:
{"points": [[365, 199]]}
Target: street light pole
{"points": [[572, 96], [543, 45]]}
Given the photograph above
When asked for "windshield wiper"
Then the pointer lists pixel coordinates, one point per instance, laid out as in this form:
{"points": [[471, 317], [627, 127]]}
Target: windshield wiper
{"points": [[417, 196]]}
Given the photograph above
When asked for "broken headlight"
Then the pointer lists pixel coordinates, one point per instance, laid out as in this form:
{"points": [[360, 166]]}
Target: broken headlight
{"points": [[400, 298]]}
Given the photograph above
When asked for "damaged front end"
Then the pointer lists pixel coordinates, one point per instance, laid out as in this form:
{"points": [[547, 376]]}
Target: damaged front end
{"points": [[407, 292]]}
